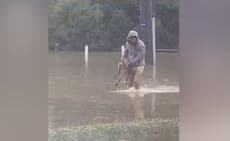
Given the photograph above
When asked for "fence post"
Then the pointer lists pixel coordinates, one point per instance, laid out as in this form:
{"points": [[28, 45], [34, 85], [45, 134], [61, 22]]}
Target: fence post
{"points": [[86, 57], [122, 50]]}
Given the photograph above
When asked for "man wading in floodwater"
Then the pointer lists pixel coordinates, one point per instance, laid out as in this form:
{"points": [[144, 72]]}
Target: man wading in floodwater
{"points": [[134, 59]]}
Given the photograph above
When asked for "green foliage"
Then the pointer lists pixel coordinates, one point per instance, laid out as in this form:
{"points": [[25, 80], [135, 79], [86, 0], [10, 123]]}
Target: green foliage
{"points": [[72, 21], [104, 24], [157, 130], [167, 26]]}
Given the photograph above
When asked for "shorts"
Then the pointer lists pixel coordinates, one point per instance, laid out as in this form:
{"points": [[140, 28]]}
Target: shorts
{"points": [[134, 75]]}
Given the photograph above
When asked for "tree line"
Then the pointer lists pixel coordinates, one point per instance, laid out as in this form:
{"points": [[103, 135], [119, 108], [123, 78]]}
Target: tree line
{"points": [[104, 24]]}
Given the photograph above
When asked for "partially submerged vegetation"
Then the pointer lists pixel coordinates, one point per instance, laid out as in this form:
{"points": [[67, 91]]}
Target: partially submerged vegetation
{"points": [[157, 130]]}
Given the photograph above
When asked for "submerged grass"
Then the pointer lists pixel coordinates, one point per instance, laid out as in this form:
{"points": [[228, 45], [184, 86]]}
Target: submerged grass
{"points": [[154, 130]]}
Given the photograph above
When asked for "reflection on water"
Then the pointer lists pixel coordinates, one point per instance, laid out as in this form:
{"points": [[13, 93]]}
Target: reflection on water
{"points": [[137, 107], [80, 98]]}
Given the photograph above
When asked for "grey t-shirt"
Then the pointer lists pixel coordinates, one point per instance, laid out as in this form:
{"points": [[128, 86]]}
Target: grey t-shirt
{"points": [[135, 54]]}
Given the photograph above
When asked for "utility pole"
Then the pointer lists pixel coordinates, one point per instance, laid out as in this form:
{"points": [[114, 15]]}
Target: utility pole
{"points": [[147, 22]]}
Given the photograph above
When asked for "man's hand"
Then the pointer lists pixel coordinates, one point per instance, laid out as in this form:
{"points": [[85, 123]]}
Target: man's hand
{"points": [[124, 62]]}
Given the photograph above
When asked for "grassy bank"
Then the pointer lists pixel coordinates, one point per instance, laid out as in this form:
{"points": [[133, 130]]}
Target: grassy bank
{"points": [[155, 130]]}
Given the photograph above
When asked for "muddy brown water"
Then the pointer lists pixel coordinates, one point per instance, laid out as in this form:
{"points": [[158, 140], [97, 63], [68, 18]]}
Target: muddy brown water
{"points": [[79, 97]]}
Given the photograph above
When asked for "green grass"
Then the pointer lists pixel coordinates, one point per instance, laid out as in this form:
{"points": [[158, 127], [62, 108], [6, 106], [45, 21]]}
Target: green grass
{"points": [[155, 130]]}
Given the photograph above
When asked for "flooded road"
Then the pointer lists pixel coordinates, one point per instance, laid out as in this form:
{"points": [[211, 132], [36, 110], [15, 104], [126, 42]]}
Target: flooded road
{"points": [[79, 97]]}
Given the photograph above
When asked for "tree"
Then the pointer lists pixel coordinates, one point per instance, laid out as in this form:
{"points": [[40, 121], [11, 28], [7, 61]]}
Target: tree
{"points": [[104, 24]]}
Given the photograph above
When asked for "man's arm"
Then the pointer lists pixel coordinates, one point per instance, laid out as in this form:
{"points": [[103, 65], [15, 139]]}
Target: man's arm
{"points": [[124, 58], [125, 55]]}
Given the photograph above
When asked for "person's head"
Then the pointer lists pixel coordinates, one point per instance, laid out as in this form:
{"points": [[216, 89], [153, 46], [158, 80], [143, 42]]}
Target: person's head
{"points": [[132, 37]]}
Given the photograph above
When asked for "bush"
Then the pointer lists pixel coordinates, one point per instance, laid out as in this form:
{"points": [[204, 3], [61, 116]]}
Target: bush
{"points": [[167, 26], [104, 24]]}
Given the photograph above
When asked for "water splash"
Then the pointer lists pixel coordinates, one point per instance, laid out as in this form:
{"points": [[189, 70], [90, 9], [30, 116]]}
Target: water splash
{"points": [[146, 90]]}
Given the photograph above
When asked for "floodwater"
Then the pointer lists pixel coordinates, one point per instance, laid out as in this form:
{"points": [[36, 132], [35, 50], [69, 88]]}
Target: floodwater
{"points": [[80, 96]]}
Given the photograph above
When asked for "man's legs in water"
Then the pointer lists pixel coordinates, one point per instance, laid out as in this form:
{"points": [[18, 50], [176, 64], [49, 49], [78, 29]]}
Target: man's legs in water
{"points": [[137, 77], [130, 78], [134, 77]]}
